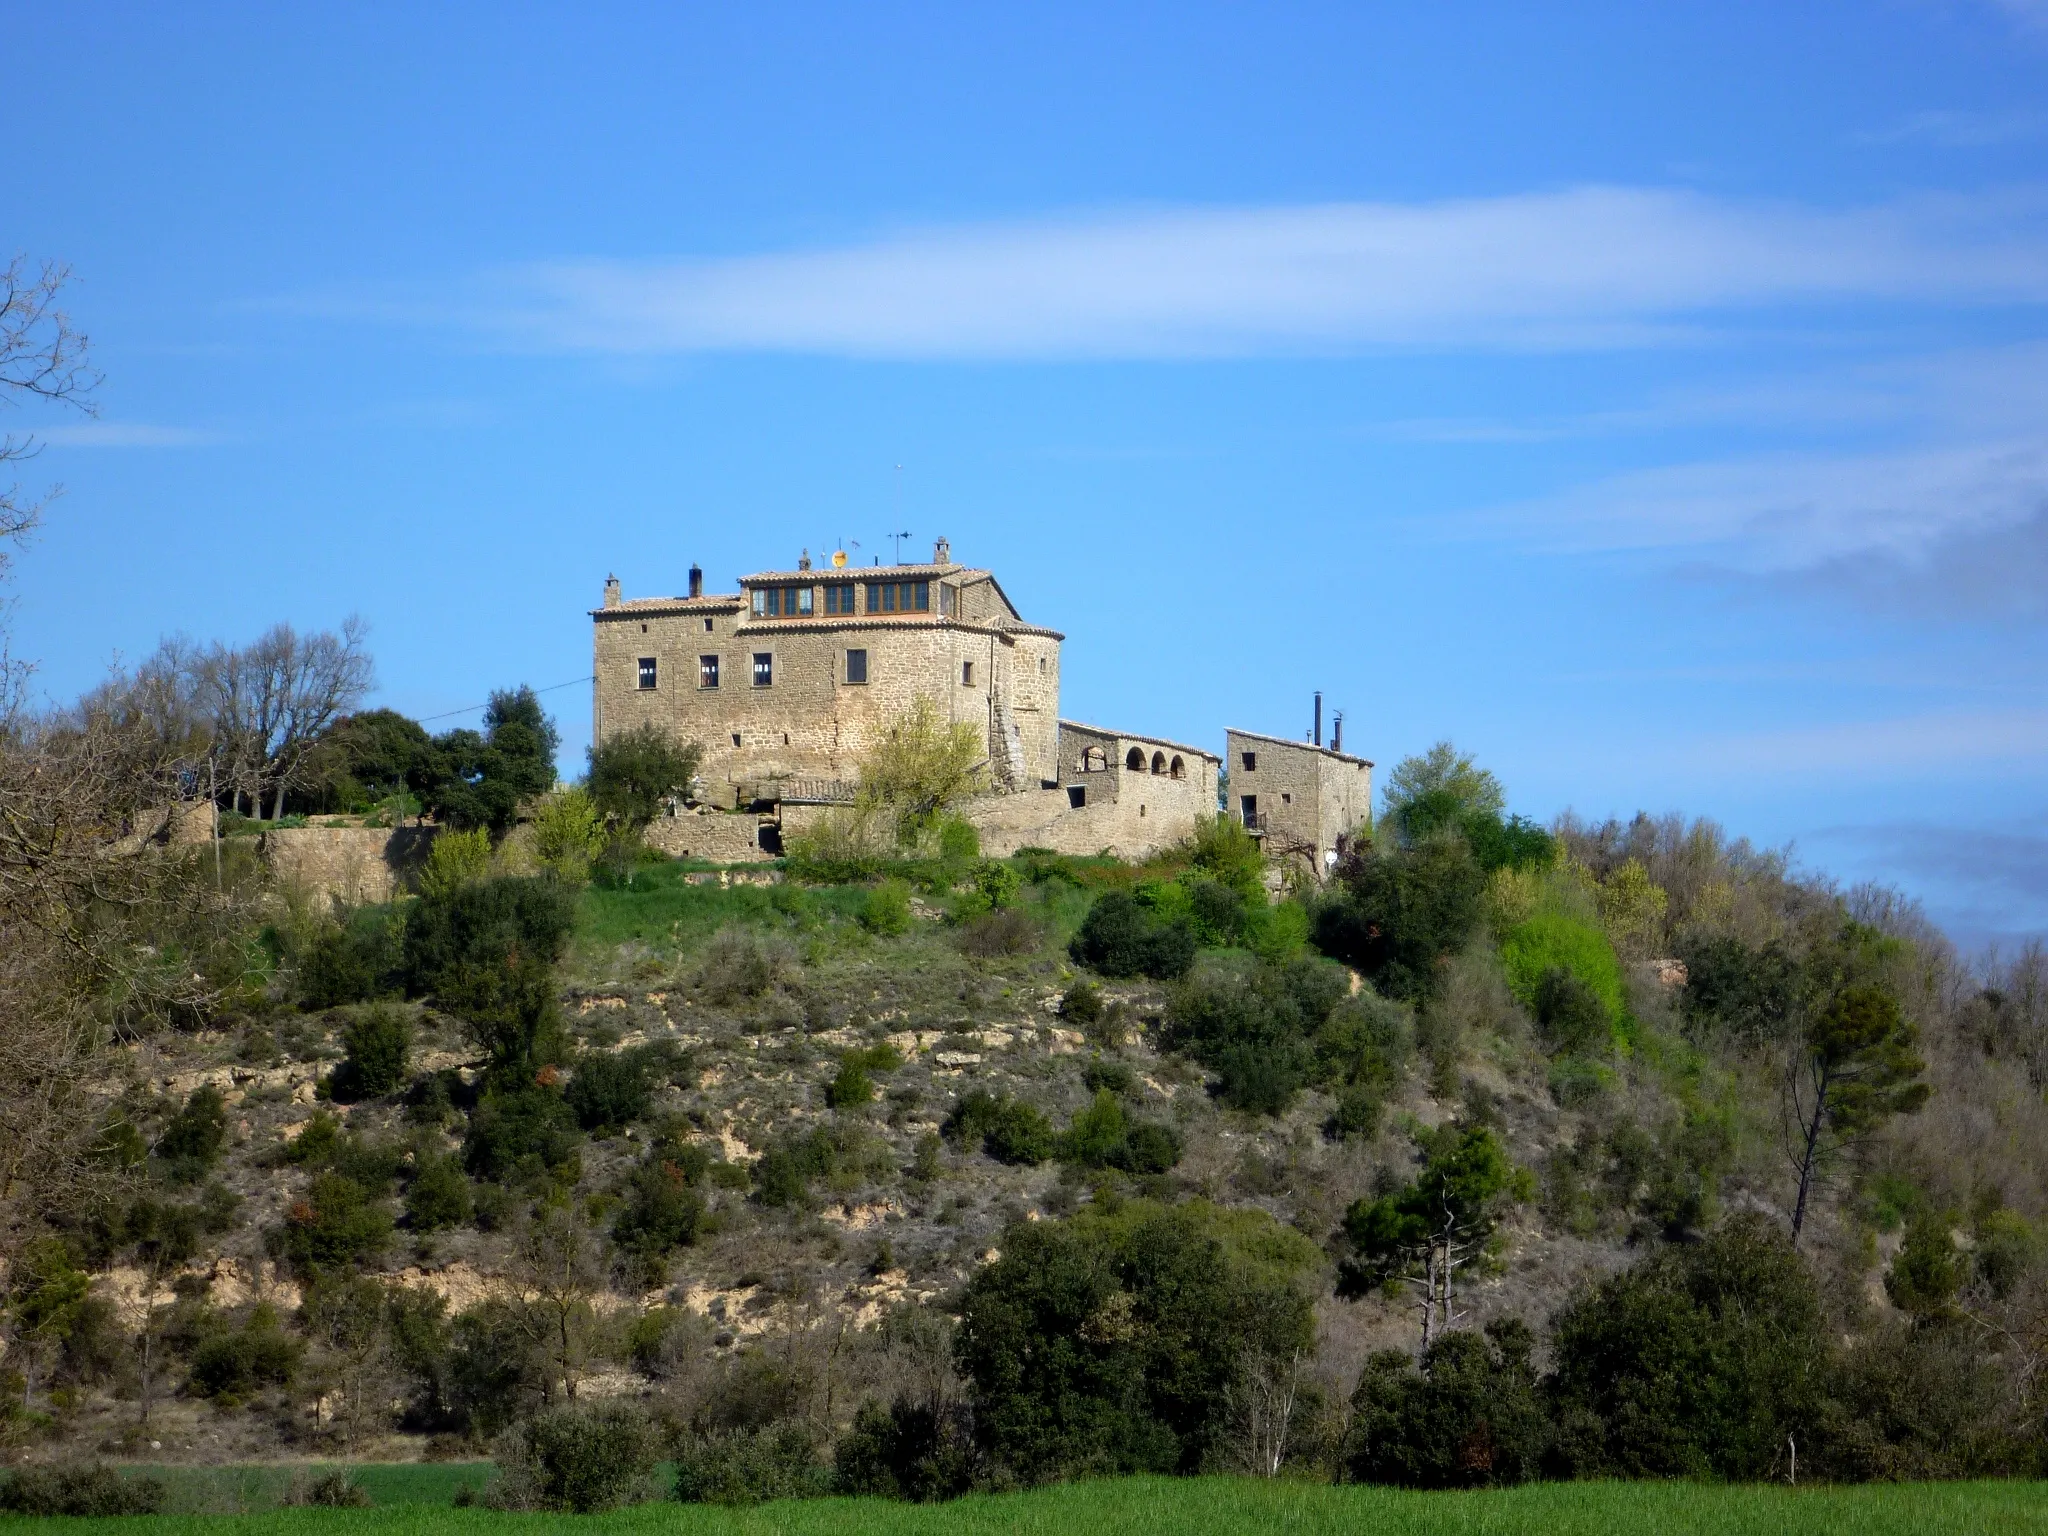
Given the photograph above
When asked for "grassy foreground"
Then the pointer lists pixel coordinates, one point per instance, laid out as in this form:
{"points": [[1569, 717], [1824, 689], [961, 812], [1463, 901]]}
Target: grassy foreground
{"points": [[1171, 1506]]}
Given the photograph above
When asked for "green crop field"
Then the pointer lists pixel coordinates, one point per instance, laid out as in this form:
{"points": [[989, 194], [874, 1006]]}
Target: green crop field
{"points": [[1170, 1507]]}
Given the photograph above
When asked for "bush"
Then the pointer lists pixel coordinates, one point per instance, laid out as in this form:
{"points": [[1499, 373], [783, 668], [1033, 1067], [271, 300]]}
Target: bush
{"points": [[751, 1466], [1751, 994], [1110, 1342], [1555, 941], [886, 909], [920, 1451], [634, 774], [1254, 1026], [1468, 1417], [232, 1367], [851, 1088], [610, 1090], [378, 1043], [737, 966], [1008, 1130], [1398, 915], [337, 1224], [486, 953], [519, 1130], [191, 1143], [568, 834], [576, 1459], [1102, 1136], [1569, 1014], [1121, 937], [1081, 1003], [456, 859], [1004, 932], [350, 962], [438, 1196], [663, 1210], [335, 1490], [91, 1489]]}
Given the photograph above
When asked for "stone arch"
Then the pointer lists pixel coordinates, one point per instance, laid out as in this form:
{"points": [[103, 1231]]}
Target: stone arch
{"points": [[1094, 760], [1159, 762], [1135, 760], [1178, 767]]}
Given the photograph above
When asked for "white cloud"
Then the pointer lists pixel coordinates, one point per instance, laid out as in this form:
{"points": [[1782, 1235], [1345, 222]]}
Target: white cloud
{"points": [[1959, 130], [1592, 267], [1903, 747], [124, 434]]}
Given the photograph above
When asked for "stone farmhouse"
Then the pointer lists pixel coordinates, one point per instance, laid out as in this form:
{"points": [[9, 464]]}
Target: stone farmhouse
{"points": [[788, 682]]}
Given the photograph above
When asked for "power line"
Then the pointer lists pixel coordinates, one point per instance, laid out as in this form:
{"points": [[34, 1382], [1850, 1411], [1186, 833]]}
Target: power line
{"points": [[467, 709]]}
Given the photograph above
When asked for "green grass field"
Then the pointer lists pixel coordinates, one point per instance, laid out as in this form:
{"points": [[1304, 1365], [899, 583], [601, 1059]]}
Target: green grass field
{"points": [[1170, 1506]]}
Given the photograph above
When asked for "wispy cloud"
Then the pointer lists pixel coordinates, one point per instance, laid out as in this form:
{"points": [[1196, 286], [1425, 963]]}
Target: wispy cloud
{"points": [[1959, 130], [1592, 267], [1897, 748], [126, 434]]}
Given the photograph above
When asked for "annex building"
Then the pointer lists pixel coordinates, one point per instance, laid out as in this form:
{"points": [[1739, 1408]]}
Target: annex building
{"points": [[788, 682]]}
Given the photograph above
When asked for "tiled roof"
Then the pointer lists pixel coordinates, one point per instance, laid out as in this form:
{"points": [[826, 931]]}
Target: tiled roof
{"points": [[668, 604], [766, 626], [1306, 746], [865, 573]]}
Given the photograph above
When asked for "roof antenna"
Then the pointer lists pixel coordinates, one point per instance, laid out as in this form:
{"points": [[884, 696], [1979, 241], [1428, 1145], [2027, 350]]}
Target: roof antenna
{"points": [[899, 538]]}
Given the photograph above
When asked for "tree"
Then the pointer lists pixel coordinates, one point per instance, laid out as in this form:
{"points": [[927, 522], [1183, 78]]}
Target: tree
{"points": [[480, 779], [1854, 1069], [486, 953], [42, 357], [635, 773], [921, 766], [1433, 1226], [269, 703], [1399, 914], [568, 832], [367, 757], [1444, 770], [1467, 1416]]}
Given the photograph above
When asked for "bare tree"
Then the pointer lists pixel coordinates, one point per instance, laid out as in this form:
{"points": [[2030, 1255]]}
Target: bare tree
{"points": [[268, 703], [561, 1267], [1261, 1401], [42, 357]]}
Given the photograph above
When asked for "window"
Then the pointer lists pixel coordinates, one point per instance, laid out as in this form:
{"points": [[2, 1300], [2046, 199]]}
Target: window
{"points": [[966, 674], [839, 597], [1094, 760], [1134, 760], [1077, 795], [764, 669], [735, 738], [707, 626], [1159, 762], [782, 602], [1251, 761], [856, 666], [1250, 806], [1177, 768], [647, 676], [945, 600], [899, 597], [707, 671]]}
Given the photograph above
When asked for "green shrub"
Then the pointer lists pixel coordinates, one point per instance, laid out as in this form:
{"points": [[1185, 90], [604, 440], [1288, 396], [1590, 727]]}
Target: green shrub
{"points": [[851, 1087], [1100, 1072], [456, 859], [737, 966], [886, 909], [519, 1130], [634, 774], [610, 1089], [1254, 1026], [486, 953], [568, 834], [1749, 993], [751, 1466], [378, 1042], [350, 962], [1081, 1003], [438, 1196], [919, 1451], [1397, 914], [1556, 941], [1570, 1015], [191, 1143], [234, 1366], [337, 1224], [1103, 1136], [1121, 937], [1357, 1115], [664, 1209], [1468, 1417], [958, 840], [782, 1175], [1005, 932], [576, 1458], [337, 1490], [90, 1489], [1008, 1130]]}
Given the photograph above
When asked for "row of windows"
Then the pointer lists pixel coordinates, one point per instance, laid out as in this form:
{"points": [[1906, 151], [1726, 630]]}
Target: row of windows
{"points": [[856, 671], [1095, 760], [841, 597]]}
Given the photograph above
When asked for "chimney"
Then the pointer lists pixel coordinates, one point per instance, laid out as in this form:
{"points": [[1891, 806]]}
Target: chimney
{"points": [[803, 561], [611, 591], [1337, 732], [696, 581], [1319, 717], [942, 552]]}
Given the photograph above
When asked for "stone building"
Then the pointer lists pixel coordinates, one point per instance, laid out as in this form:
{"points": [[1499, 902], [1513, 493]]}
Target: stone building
{"points": [[1302, 800], [787, 684]]}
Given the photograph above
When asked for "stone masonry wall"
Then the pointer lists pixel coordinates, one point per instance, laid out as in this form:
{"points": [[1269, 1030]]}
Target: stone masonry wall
{"points": [[352, 865], [722, 837]]}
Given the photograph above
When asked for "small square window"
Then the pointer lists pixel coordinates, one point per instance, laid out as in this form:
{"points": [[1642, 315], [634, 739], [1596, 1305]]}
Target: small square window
{"points": [[764, 669], [966, 674], [760, 602], [1077, 795], [802, 597], [707, 671], [856, 666], [1251, 761], [647, 672], [707, 626], [735, 738]]}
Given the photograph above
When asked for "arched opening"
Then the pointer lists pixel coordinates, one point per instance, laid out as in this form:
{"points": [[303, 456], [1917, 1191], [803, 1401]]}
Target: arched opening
{"points": [[1094, 760], [1177, 767], [1135, 760], [1159, 762]]}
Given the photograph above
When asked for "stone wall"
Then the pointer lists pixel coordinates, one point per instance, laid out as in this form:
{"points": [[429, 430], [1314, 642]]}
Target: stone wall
{"points": [[720, 837], [348, 864], [1310, 800], [1149, 816]]}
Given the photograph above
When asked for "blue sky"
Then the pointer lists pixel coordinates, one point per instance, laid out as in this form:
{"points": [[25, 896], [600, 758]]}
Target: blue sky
{"points": [[1653, 399]]}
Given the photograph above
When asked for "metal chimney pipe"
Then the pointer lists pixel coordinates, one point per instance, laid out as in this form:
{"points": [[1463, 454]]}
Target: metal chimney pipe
{"points": [[696, 581], [1319, 717], [1337, 732]]}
